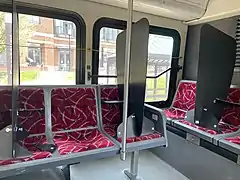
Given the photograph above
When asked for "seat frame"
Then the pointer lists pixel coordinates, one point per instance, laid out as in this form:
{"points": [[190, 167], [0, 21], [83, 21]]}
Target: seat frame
{"points": [[59, 160], [141, 145]]}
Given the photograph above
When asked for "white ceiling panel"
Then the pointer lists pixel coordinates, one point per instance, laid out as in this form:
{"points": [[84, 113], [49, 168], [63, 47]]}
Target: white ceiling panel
{"points": [[177, 9]]}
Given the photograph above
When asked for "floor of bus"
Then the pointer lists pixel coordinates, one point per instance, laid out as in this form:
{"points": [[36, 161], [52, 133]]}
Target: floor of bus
{"points": [[150, 168]]}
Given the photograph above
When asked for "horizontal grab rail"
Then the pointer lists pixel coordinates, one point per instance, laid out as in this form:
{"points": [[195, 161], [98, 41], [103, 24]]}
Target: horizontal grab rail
{"points": [[148, 77], [227, 103]]}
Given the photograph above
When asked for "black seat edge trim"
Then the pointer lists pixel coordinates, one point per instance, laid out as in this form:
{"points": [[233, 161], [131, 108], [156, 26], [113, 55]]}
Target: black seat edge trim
{"points": [[220, 151], [177, 131]]}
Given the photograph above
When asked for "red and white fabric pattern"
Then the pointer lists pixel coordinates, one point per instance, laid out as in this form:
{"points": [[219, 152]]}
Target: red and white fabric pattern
{"points": [[231, 115], [5, 105], [32, 121], [184, 101], [73, 108], [86, 140], [110, 112], [32, 99], [112, 118], [35, 156], [235, 139], [225, 128]]}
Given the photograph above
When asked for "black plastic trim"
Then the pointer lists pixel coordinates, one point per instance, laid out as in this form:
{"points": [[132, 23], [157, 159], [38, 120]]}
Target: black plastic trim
{"points": [[177, 131], [218, 150]]}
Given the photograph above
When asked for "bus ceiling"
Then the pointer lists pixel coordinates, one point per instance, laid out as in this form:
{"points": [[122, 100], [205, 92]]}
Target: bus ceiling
{"points": [[190, 11]]}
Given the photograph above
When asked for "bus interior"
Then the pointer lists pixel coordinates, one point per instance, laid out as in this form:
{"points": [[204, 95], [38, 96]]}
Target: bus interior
{"points": [[120, 89]]}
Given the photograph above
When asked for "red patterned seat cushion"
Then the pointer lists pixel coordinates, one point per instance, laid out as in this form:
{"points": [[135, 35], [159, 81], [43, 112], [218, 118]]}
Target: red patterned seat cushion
{"points": [[235, 139], [73, 108], [112, 131], [35, 156], [32, 121], [81, 141], [225, 128], [231, 115], [173, 113]]}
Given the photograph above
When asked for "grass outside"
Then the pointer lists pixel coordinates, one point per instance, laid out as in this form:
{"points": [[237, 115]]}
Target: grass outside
{"points": [[159, 93], [24, 76]]}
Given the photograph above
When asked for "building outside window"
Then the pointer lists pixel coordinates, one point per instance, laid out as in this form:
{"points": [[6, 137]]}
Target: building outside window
{"points": [[34, 55], [64, 60], [109, 34], [34, 19], [65, 28]]}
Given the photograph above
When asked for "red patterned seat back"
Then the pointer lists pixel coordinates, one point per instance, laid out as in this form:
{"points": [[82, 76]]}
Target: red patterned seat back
{"points": [[185, 96], [73, 108], [110, 112], [32, 119], [29, 99], [5, 105], [231, 115]]}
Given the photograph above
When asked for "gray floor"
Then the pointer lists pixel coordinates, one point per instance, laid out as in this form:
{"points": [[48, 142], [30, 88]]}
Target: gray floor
{"points": [[151, 168]]}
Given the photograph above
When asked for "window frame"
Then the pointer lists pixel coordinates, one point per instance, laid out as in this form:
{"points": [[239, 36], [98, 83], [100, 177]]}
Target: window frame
{"points": [[55, 13], [120, 24]]}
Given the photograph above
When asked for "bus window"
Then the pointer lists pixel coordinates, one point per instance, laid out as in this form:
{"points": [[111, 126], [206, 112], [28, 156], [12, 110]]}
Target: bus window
{"points": [[47, 50], [5, 48], [159, 59], [107, 54]]}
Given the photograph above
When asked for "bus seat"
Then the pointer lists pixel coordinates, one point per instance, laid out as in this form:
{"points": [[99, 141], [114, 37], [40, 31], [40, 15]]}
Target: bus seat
{"points": [[111, 116], [184, 100], [235, 139], [35, 156], [5, 105], [74, 109], [31, 118], [231, 115], [230, 119]]}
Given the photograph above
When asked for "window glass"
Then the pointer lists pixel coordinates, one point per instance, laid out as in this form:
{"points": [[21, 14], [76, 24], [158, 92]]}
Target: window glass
{"points": [[159, 59], [47, 51], [5, 48]]}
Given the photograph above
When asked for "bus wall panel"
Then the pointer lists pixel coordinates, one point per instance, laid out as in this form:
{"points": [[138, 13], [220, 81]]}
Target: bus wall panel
{"points": [[91, 11], [190, 71], [196, 162]]}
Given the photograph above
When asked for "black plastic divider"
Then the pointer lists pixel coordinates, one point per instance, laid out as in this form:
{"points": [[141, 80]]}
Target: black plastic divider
{"points": [[215, 70]]}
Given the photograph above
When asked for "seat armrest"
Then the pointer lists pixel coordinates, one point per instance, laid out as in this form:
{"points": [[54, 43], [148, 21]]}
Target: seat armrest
{"points": [[157, 117]]}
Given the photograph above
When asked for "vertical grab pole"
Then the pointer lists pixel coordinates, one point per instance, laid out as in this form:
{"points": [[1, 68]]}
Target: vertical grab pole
{"points": [[15, 77], [126, 78]]}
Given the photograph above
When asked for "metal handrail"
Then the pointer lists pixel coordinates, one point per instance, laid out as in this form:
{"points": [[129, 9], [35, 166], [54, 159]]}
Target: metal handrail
{"points": [[148, 77]]}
